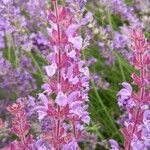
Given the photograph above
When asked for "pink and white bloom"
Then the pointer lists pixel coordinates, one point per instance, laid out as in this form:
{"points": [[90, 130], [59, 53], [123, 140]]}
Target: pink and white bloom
{"points": [[65, 95]]}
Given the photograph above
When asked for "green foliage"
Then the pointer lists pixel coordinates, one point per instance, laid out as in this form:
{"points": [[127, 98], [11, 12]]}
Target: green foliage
{"points": [[103, 103]]}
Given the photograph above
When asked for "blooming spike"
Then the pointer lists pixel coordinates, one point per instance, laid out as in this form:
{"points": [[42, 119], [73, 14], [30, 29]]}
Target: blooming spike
{"points": [[136, 130], [20, 127], [65, 100]]}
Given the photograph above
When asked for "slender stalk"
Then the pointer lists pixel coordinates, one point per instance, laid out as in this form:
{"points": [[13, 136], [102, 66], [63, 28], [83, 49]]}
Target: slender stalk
{"points": [[36, 65], [74, 130], [59, 67], [9, 52], [16, 56], [142, 91], [104, 107], [121, 69], [109, 18], [9, 44], [111, 25]]}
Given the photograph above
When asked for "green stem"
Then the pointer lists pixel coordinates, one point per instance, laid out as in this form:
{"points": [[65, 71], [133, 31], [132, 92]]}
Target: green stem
{"points": [[109, 20], [103, 106], [9, 52], [121, 69], [36, 64], [101, 102], [16, 56], [111, 24], [99, 133]]}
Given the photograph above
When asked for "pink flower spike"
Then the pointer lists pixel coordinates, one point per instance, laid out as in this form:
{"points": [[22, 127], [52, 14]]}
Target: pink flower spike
{"points": [[66, 91], [137, 122], [20, 127]]}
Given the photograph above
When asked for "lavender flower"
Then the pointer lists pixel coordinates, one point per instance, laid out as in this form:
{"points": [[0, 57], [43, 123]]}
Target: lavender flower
{"points": [[16, 80], [126, 12]]}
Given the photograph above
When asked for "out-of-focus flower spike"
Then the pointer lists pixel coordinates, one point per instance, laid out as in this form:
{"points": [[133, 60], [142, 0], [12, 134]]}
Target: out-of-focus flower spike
{"points": [[20, 127], [136, 124]]}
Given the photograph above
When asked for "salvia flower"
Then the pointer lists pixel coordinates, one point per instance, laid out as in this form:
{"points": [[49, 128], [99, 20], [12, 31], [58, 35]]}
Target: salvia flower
{"points": [[136, 127], [125, 96], [20, 127], [65, 98], [114, 144]]}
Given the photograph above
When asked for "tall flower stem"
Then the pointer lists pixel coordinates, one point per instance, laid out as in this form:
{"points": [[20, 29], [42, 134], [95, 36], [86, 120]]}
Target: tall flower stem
{"points": [[20, 126], [112, 29], [66, 91], [142, 91], [59, 66], [136, 104]]}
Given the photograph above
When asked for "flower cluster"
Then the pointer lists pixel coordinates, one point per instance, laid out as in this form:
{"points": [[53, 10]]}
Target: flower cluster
{"points": [[16, 80], [136, 130], [113, 37], [65, 94], [20, 28], [20, 127], [127, 13]]}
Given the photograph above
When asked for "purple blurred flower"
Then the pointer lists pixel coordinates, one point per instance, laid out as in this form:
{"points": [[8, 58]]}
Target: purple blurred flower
{"points": [[126, 12], [40, 145], [26, 63], [77, 5], [16, 80], [73, 145], [91, 61], [125, 100], [114, 145]]}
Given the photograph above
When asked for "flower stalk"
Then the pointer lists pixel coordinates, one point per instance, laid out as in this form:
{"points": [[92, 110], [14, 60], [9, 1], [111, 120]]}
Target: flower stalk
{"points": [[65, 95], [20, 127], [135, 105]]}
